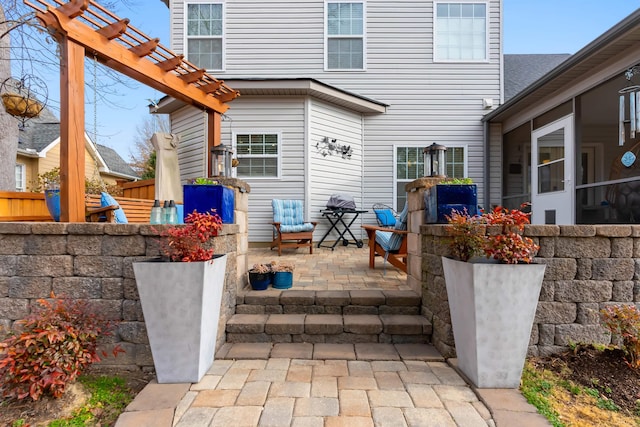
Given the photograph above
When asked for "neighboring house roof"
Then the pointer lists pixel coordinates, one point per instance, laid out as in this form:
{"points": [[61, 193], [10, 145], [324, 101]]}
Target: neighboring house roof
{"points": [[618, 39], [115, 163], [294, 86], [43, 131], [520, 70]]}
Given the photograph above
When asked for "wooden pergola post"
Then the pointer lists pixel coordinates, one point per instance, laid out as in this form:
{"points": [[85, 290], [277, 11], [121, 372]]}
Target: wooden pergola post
{"points": [[72, 144], [214, 136], [84, 27]]}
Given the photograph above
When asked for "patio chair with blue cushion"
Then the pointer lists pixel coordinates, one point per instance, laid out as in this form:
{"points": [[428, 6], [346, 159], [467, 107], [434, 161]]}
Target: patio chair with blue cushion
{"points": [[389, 243], [289, 227]]}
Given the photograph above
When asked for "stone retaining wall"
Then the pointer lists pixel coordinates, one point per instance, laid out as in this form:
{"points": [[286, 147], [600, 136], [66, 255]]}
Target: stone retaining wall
{"points": [[588, 267], [93, 261]]}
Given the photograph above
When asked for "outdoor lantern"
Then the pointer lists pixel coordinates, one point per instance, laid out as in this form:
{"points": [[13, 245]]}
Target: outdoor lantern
{"points": [[221, 158], [434, 160]]}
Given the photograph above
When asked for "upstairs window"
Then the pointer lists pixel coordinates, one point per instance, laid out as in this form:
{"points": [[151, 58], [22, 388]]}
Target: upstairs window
{"points": [[460, 32], [204, 35], [258, 155], [345, 36]]}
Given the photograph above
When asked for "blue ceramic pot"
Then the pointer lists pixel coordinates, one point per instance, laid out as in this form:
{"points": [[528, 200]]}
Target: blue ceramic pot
{"points": [[282, 279], [259, 281], [52, 199]]}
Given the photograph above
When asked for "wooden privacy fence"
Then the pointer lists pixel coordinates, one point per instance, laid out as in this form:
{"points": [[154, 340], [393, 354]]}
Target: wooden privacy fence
{"points": [[21, 206], [145, 189]]}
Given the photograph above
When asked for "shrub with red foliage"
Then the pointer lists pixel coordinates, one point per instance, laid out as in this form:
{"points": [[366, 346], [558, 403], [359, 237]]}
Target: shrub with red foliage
{"points": [[187, 243], [497, 234], [624, 321], [55, 344]]}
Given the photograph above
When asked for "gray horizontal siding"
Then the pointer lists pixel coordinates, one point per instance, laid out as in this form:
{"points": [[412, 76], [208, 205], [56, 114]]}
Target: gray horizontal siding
{"points": [[427, 101]]}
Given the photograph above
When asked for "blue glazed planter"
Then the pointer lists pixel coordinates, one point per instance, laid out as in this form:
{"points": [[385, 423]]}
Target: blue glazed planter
{"points": [[282, 279], [203, 198], [52, 200], [440, 200], [259, 281]]}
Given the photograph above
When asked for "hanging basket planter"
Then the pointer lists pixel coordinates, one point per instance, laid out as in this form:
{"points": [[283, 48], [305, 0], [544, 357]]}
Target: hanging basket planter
{"points": [[21, 106]]}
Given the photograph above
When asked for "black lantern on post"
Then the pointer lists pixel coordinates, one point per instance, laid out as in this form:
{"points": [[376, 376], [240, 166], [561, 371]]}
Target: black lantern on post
{"points": [[221, 158], [434, 161]]}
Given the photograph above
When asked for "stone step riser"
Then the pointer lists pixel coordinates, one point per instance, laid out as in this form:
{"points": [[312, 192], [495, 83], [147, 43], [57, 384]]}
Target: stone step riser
{"points": [[332, 328], [326, 309], [344, 338]]}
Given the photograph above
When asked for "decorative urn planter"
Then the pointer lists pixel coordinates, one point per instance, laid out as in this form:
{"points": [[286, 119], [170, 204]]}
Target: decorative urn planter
{"points": [[492, 309], [181, 306]]}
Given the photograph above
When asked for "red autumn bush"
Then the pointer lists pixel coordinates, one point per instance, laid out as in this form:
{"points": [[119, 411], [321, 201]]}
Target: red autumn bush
{"points": [[56, 343], [624, 321], [496, 234], [187, 243]]}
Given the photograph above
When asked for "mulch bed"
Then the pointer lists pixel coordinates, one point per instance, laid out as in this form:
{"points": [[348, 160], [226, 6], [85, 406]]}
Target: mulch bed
{"points": [[604, 370]]}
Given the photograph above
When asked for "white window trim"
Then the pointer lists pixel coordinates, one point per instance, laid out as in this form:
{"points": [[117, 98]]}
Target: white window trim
{"points": [[364, 37], [395, 164], [23, 173], [435, 33], [234, 140], [465, 147], [185, 37]]}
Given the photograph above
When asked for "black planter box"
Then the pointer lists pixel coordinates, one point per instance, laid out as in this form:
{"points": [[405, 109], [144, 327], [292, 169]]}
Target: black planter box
{"points": [[441, 199]]}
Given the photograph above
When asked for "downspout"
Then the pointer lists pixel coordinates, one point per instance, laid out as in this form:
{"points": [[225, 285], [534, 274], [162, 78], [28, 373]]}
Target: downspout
{"points": [[307, 160], [487, 164]]}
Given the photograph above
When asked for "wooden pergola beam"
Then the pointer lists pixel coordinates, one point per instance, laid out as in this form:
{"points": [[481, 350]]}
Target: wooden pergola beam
{"points": [[121, 59], [114, 30]]}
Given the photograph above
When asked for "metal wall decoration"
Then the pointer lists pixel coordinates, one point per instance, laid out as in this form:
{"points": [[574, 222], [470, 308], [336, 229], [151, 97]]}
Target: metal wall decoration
{"points": [[329, 146]]}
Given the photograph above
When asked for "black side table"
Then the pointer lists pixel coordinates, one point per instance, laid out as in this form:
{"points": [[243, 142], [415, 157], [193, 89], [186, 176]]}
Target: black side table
{"points": [[335, 218]]}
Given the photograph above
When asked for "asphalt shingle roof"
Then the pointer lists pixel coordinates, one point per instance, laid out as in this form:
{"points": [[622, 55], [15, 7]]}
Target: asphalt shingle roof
{"points": [[520, 70]]}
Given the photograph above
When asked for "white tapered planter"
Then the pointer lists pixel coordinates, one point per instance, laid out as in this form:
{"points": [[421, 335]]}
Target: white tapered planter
{"points": [[181, 307], [492, 311]]}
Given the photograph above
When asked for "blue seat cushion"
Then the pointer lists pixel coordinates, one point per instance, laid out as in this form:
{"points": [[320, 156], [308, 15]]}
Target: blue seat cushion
{"points": [[290, 215], [107, 199], [307, 226], [390, 241], [385, 217]]}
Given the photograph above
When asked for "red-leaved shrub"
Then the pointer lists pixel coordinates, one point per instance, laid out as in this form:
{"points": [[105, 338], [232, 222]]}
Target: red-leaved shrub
{"points": [[54, 345], [624, 321]]}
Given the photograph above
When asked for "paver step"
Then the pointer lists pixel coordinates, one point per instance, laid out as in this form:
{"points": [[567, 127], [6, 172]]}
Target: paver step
{"points": [[371, 302], [328, 328]]}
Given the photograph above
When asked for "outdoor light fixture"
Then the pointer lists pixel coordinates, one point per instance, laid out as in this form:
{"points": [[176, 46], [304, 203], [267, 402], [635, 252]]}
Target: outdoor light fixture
{"points": [[434, 160], [221, 158]]}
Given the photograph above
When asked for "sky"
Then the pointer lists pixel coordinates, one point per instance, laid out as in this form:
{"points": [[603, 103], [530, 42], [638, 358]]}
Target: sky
{"points": [[530, 26]]}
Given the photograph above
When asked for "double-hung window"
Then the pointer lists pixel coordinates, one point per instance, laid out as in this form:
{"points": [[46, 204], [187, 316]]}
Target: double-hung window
{"points": [[258, 154], [204, 41], [460, 31], [410, 166], [345, 35], [21, 184]]}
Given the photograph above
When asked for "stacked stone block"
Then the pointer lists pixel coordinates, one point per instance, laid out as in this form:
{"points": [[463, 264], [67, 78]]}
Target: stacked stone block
{"points": [[93, 262]]}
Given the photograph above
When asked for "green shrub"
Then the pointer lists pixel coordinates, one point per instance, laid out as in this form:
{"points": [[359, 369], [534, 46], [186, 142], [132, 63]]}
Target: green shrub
{"points": [[624, 322], [54, 345]]}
